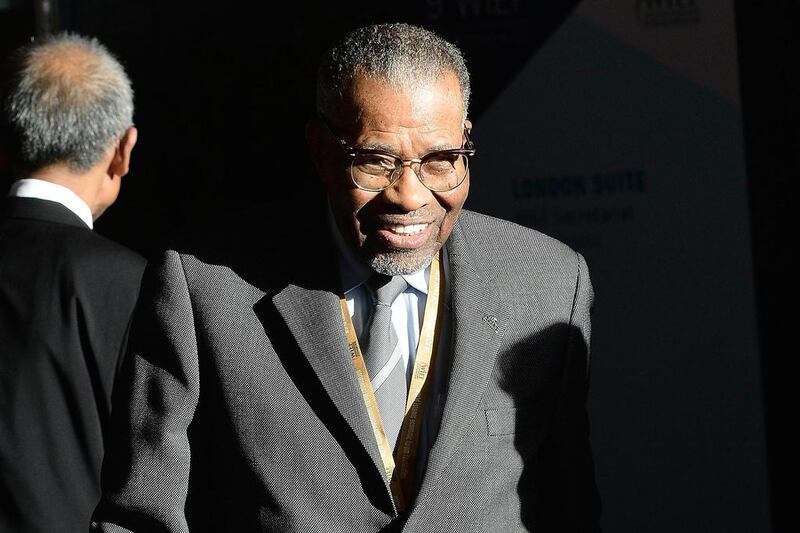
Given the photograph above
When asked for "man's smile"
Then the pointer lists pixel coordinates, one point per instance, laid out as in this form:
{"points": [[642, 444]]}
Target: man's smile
{"points": [[407, 230], [409, 237]]}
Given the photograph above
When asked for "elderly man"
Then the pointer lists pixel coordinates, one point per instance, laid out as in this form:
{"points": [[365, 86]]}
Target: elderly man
{"points": [[397, 363], [66, 293]]}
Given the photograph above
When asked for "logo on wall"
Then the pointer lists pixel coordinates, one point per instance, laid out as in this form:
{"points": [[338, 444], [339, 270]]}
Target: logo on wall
{"points": [[474, 9], [652, 13]]}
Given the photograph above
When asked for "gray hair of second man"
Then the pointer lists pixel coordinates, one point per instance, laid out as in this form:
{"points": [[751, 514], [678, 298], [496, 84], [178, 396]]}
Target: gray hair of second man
{"points": [[400, 54], [68, 101]]}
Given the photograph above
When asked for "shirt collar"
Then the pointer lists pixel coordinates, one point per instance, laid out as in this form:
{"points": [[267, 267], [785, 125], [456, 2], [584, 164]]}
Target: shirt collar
{"points": [[354, 272], [45, 190]]}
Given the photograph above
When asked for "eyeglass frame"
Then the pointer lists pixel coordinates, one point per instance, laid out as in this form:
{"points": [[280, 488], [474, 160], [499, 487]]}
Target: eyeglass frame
{"points": [[467, 150]]}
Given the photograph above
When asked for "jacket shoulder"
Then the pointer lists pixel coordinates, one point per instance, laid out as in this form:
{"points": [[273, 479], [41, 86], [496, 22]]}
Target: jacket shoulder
{"points": [[91, 251], [68, 248], [503, 243], [522, 263], [207, 279]]}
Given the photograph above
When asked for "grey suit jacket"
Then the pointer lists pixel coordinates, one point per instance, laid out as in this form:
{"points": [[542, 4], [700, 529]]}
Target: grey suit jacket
{"points": [[240, 410]]}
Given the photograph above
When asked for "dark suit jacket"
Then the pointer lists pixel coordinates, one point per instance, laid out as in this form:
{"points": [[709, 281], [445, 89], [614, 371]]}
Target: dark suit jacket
{"points": [[66, 299], [240, 410]]}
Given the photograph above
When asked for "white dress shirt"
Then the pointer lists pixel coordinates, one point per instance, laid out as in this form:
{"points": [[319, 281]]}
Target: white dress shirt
{"points": [[45, 190]]}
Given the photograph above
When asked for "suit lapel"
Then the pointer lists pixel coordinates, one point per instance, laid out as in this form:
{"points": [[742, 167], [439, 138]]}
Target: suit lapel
{"points": [[478, 321], [313, 317]]}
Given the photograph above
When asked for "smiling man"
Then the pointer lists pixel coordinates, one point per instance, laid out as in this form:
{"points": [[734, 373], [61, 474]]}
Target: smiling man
{"points": [[418, 367]]}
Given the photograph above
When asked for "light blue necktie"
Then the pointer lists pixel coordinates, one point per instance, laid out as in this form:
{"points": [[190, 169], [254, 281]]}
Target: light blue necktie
{"points": [[382, 355]]}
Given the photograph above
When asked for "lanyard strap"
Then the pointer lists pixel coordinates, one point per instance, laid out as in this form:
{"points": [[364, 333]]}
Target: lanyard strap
{"points": [[401, 473]]}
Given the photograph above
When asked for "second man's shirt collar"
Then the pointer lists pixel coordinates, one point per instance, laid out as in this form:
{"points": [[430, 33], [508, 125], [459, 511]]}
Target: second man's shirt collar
{"points": [[45, 190]]}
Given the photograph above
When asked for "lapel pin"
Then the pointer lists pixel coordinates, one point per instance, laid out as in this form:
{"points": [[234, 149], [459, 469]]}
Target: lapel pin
{"points": [[491, 320]]}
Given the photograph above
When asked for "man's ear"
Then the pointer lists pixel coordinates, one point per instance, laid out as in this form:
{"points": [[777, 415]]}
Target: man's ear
{"points": [[121, 161], [468, 126]]}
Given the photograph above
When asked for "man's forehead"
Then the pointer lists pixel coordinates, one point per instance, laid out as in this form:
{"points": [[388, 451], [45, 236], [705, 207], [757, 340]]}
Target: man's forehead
{"points": [[370, 98]]}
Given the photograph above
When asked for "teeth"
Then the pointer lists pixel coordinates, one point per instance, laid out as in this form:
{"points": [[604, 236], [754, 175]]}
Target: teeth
{"points": [[408, 230]]}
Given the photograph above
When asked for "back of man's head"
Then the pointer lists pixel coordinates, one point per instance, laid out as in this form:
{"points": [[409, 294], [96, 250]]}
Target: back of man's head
{"points": [[68, 100]]}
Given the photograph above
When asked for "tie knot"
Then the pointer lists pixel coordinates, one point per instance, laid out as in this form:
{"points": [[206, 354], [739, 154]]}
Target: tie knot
{"points": [[386, 288]]}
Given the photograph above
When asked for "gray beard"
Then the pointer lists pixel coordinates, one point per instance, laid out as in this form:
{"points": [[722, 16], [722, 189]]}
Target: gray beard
{"points": [[397, 263]]}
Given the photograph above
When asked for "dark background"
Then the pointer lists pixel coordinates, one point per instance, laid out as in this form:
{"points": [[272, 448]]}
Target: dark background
{"points": [[770, 82], [222, 94]]}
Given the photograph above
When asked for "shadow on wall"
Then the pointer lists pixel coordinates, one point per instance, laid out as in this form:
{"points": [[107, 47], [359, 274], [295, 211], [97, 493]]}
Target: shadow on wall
{"points": [[550, 427]]}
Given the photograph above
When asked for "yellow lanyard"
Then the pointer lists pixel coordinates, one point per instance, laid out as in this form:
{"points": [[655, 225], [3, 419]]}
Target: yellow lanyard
{"points": [[400, 473]]}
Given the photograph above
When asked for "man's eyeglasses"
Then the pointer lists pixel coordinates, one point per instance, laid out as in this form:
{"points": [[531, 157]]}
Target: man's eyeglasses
{"points": [[375, 170]]}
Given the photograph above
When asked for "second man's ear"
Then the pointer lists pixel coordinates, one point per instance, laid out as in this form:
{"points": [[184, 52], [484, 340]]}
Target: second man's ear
{"points": [[121, 162]]}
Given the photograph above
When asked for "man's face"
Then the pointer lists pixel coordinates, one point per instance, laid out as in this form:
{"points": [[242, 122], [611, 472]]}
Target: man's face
{"points": [[398, 230]]}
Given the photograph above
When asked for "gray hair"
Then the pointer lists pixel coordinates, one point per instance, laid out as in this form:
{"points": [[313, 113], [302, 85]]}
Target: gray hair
{"points": [[68, 101], [400, 54]]}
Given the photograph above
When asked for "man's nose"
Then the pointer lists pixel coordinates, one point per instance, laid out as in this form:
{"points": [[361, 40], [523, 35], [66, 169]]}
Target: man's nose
{"points": [[408, 192]]}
